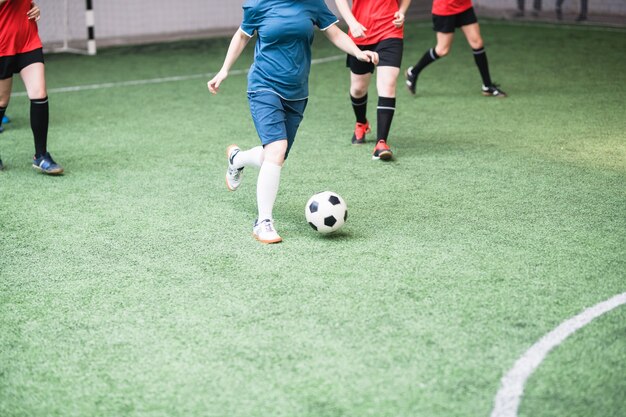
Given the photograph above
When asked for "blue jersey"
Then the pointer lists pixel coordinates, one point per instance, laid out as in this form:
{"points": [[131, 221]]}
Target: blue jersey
{"points": [[282, 54]]}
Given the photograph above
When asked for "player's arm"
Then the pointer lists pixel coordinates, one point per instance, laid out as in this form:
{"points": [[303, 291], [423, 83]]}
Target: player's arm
{"points": [[356, 28], [342, 41], [398, 20], [236, 47]]}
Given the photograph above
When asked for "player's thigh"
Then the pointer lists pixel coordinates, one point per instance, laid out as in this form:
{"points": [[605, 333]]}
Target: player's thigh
{"points": [[444, 43], [390, 60], [268, 115], [386, 79], [294, 113], [34, 79]]}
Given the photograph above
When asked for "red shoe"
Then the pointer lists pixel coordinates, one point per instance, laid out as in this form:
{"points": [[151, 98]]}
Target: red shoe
{"points": [[358, 138], [382, 151]]}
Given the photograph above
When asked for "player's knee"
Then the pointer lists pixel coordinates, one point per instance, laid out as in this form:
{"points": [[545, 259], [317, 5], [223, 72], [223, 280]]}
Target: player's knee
{"points": [[37, 94], [388, 90], [275, 152], [476, 43], [442, 51], [358, 91]]}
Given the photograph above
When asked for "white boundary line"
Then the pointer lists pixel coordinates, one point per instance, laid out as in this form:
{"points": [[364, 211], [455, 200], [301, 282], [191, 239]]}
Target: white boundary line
{"points": [[130, 83], [207, 75], [512, 384]]}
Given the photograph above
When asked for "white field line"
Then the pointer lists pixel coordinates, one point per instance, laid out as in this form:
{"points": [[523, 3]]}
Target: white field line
{"points": [[131, 83], [208, 76], [512, 384]]}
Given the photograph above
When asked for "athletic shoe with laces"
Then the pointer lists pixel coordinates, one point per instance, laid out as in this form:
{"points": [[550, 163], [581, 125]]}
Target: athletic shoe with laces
{"points": [[411, 80], [493, 91], [360, 129], [46, 165], [233, 175], [382, 151], [264, 231]]}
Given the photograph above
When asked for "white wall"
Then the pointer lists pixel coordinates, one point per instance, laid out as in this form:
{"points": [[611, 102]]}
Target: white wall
{"points": [[120, 19], [124, 18]]}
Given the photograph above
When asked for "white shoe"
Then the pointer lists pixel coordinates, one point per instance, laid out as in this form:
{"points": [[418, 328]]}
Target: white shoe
{"points": [[264, 232], [233, 175]]}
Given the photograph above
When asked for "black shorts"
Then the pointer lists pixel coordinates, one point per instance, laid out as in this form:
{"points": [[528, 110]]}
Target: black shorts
{"points": [[447, 24], [389, 55], [13, 64]]}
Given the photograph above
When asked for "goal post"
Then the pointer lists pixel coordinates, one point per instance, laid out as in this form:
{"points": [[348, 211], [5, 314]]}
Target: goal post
{"points": [[68, 26], [90, 23]]}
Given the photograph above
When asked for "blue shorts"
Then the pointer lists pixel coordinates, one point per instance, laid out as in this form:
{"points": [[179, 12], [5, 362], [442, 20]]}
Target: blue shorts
{"points": [[276, 118]]}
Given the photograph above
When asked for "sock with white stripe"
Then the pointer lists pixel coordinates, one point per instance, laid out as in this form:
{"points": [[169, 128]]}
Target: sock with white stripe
{"points": [[251, 157], [385, 110], [480, 56], [428, 58], [39, 124], [267, 189], [359, 105]]}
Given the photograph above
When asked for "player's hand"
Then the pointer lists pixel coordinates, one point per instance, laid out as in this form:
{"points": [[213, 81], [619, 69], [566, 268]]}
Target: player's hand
{"points": [[358, 30], [368, 56], [398, 20], [214, 84], [34, 13]]}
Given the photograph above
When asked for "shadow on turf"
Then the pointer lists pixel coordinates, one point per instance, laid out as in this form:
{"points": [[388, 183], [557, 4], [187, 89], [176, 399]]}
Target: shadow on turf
{"points": [[338, 235]]}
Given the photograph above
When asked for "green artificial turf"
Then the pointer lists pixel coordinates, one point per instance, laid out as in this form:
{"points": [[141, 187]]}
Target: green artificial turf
{"points": [[132, 286]]}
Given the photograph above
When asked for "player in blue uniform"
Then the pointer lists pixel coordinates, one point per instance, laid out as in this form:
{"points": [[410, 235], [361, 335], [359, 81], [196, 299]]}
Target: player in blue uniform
{"points": [[277, 89]]}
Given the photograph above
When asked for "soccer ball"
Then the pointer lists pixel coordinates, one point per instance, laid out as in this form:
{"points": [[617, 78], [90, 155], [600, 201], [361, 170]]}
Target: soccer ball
{"points": [[326, 212]]}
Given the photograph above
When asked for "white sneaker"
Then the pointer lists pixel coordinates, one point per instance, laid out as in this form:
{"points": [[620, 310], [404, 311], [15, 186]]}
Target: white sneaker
{"points": [[233, 175], [264, 232]]}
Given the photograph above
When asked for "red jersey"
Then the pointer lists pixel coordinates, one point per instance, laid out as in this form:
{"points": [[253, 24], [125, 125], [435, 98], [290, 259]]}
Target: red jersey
{"points": [[450, 7], [377, 16], [17, 33]]}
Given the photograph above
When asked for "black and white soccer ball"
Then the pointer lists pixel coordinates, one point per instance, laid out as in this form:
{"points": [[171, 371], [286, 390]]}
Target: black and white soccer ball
{"points": [[326, 212]]}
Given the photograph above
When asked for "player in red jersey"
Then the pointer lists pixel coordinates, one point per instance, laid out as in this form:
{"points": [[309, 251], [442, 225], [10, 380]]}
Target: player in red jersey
{"points": [[375, 25], [447, 16], [21, 52]]}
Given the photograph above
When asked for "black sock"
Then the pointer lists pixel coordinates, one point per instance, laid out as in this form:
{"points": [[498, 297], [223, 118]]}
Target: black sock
{"points": [[429, 57], [359, 105], [39, 124], [480, 56], [385, 110], [2, 110]]}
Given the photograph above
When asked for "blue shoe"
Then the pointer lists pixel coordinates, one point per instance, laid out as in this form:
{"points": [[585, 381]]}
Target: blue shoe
{"points": [[46, 164], [5, 119]]}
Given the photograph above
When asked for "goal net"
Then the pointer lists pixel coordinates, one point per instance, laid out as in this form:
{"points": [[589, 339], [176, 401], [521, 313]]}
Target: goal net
{"points": [[67, 26]]}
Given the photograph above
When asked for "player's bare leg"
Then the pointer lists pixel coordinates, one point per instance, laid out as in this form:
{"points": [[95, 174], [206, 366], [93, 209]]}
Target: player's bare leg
{"points": [[475, 41], [359, 84], [267, 190], [444, 43], [34, 80], [386, 82]]}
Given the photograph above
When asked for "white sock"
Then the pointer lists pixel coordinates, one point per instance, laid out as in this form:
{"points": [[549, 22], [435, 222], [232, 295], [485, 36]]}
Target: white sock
{"points": [[267, 189], [251, 157]]}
